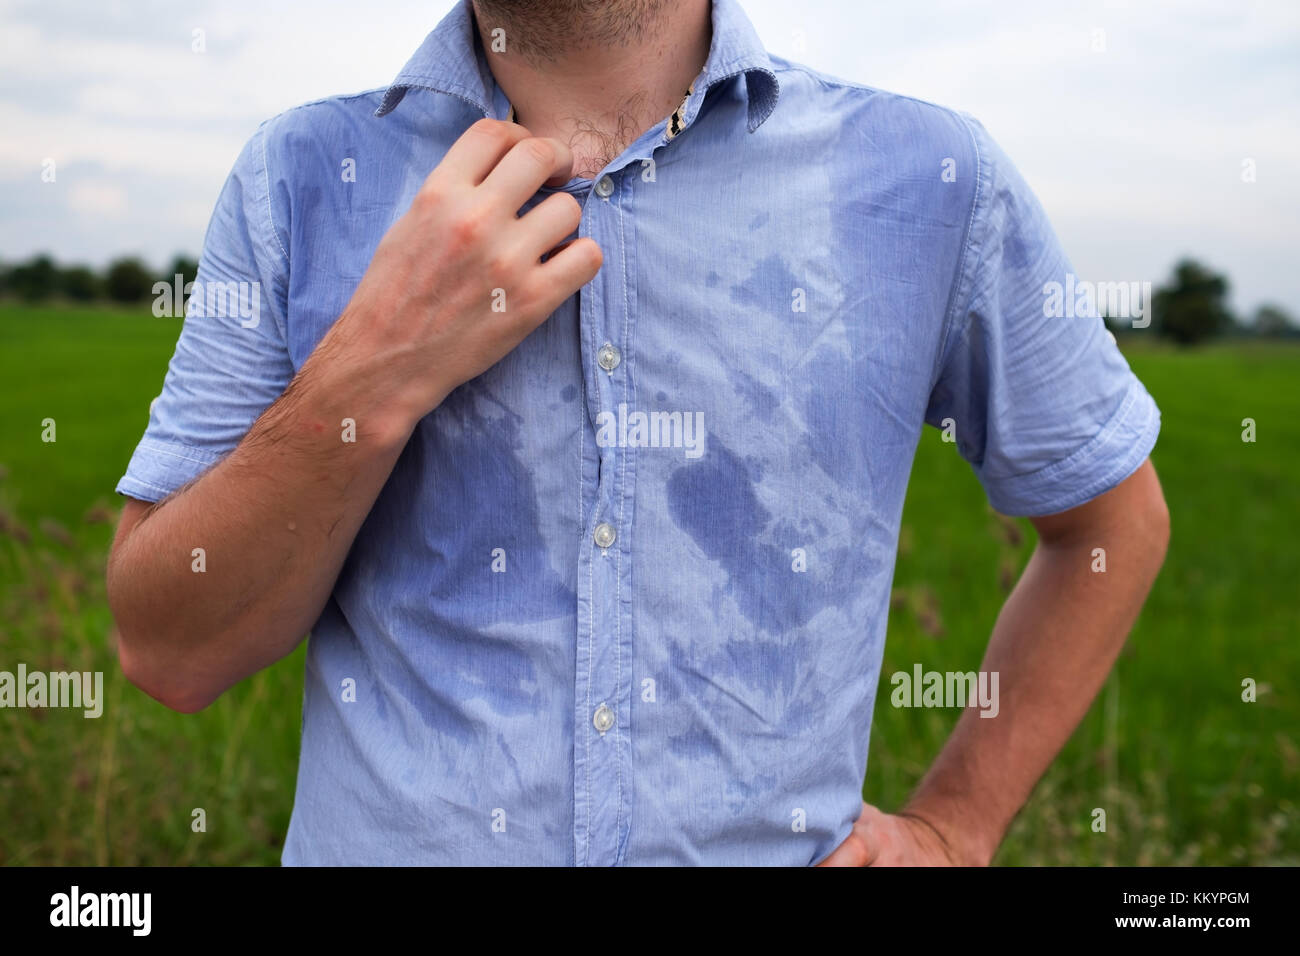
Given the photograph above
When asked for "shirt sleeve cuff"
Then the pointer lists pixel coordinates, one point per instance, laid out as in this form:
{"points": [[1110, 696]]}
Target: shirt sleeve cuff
{"points": [[159, 468], [1117, 451]]}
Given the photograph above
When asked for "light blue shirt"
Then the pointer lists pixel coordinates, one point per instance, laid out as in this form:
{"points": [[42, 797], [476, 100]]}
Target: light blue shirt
{"points": [[623, 598]]}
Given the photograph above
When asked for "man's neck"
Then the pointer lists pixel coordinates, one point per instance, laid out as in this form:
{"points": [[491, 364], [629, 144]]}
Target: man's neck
{"points": [[595, 74]]}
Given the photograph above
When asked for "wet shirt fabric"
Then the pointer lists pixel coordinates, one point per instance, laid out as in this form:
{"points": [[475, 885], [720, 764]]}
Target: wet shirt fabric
{"points": [[623, 599]]}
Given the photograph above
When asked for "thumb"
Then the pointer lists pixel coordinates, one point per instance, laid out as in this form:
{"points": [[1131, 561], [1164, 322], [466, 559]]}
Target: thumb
{"points": [[860, 847]]}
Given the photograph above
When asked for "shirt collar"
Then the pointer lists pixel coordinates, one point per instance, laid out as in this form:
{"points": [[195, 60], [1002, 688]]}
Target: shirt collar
{"points": [[451, 60]]}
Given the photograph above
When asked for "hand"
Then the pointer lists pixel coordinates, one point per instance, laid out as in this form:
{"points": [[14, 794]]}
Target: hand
{"points": [[891, 839], [458, 281]]}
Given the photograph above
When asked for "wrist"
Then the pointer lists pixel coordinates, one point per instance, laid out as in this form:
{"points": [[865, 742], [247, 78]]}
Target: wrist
{"points": [[337, 389], [967, 841]]}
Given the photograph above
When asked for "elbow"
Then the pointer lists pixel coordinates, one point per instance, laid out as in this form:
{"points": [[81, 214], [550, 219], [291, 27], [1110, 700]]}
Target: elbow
{"points": [[159, 663], [1143, 519], [142, 651], [165, 683], [1157, 527]]}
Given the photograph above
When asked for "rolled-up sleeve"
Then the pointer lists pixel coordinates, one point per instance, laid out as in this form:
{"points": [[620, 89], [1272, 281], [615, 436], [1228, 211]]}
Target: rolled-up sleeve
{"points": [[1041, 401], [231, 359]]}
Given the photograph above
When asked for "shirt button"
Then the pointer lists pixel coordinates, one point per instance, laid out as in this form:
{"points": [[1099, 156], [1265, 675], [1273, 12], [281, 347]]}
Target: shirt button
{"points": [[603, 719], [605, 534], [608, 357], [604, 187]]}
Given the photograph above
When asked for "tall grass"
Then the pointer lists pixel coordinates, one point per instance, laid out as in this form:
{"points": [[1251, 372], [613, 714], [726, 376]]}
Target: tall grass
{"points": [[1186, 771]]}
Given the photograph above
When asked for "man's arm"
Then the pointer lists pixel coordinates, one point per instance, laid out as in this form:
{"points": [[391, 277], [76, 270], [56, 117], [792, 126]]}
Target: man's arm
{"points": [[1055, 641], [275, 520], [277, 516]]}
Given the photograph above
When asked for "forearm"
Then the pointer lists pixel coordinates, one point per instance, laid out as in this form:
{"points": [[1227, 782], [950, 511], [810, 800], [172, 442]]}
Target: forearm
{"points": [[1055, 641], [274, 520]]}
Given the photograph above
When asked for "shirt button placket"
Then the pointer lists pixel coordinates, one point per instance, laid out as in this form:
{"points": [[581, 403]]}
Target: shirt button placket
{"points": [[603, 670]]}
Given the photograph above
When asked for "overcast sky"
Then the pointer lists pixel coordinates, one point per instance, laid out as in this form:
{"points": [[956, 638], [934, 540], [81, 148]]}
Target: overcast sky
{"points": [[1136, 151]]}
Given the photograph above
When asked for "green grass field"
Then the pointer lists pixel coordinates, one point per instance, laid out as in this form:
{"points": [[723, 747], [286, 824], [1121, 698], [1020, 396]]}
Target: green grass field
{"points": [[1186, 771]]}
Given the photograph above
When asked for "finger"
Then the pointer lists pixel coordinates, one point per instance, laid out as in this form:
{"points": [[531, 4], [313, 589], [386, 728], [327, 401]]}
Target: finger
{"points": [[528, 164], [558, 249], [871, 828], [567, 271], [477, 152], [548, 223], [842, 856], [852, 852], [859, 847]]}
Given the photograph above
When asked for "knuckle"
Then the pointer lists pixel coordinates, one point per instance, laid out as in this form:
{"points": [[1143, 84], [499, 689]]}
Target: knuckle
{"points": [[539, 150], [499, 267], [431, 195], [467, 228], [489, 128]]}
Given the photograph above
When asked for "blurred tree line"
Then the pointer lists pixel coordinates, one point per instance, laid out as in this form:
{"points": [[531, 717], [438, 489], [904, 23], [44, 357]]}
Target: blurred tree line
{"points": [[1193, 306], [127, 280], [1190, 307]]}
